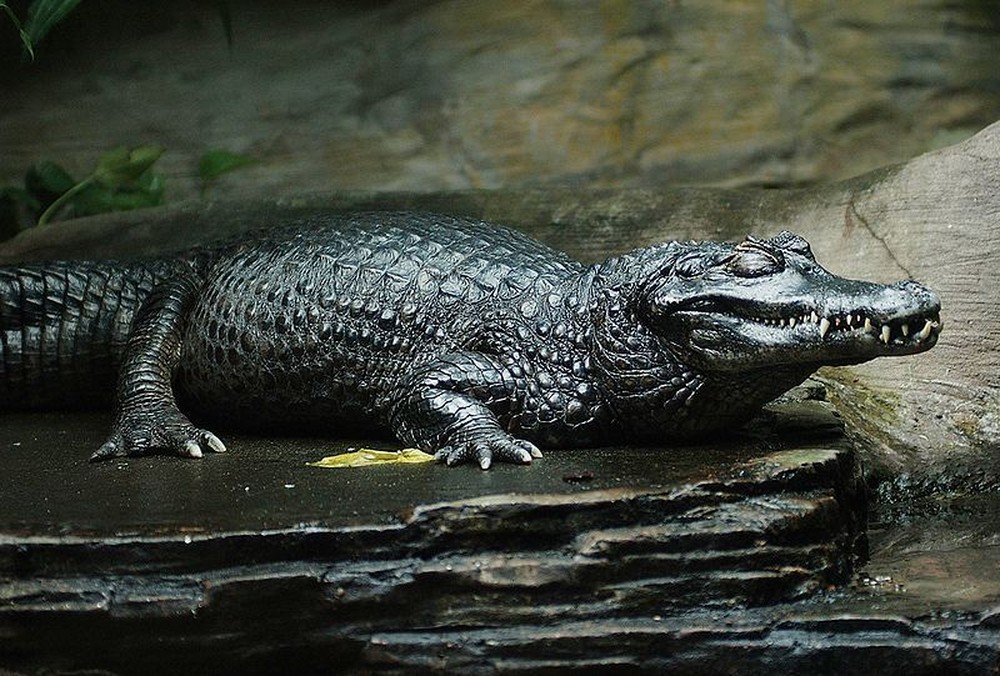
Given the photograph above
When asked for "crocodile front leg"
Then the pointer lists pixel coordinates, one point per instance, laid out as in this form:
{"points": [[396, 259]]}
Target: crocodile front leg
{"points": [[444, 406], [147, 419]]}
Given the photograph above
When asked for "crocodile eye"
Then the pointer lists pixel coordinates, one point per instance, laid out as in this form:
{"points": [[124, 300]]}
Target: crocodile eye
{"points": [[753, 264], [754, 258]]}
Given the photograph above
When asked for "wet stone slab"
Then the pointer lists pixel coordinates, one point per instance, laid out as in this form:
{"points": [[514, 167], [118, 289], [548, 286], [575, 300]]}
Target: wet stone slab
{"points": [[739, 554], [263, 484]]}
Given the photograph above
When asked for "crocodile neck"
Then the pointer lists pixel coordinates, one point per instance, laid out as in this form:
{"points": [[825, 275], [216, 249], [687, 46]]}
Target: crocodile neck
{"points": [[654, 394]]}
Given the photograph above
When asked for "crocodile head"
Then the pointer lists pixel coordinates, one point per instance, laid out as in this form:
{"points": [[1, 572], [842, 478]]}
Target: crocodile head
{"points": [[768, 303], [694, 337]]}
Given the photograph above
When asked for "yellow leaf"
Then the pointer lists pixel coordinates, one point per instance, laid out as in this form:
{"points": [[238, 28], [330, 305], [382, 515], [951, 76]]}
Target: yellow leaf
{"points": [[365, 457]]}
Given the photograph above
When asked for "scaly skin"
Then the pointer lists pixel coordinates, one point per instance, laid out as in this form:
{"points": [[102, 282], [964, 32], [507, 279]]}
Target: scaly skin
{"points": [[459, 337]]}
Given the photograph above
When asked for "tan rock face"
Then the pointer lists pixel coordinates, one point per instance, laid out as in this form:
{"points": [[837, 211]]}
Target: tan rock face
{"points": [[471, 94]]}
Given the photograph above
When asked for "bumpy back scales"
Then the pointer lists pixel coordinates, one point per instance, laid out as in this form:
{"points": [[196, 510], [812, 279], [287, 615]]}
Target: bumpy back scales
{"points": [[313, 322]]}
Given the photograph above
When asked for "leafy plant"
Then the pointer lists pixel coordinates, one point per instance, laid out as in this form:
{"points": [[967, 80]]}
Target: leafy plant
{"points": [[25, 40], [43, 15], [122, 179], [215, 163]]}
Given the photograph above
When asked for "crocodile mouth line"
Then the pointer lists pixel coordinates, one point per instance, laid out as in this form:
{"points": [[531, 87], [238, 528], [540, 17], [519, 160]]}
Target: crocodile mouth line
{"points": [[916, 327]]}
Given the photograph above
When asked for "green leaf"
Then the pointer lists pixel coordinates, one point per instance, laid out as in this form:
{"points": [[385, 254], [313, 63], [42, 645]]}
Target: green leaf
{"points": [[147, 191], [25, 39], [215, 163], [121, 180], [47, 181], [121, 167], [44, 14]]}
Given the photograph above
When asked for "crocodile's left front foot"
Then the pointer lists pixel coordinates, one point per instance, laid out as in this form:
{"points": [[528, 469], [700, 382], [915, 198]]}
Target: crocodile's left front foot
{"points": [[158, 431]]}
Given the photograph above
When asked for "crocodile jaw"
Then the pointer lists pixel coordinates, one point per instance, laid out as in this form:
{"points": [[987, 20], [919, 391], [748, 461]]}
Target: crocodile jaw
{"points": [[809, 338], [722, 333]]}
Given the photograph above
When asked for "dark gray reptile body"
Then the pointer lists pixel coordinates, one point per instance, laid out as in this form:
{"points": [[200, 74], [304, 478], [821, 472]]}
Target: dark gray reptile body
{"points": [[454, 335], [323, 327]]}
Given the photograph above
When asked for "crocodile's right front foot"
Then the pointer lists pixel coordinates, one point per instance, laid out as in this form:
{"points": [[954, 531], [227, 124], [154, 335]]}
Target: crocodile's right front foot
{"points": [[485, 449], [158, 431]]}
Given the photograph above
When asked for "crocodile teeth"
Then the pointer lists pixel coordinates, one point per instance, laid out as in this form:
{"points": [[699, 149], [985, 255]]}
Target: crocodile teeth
{"points": [[791, 322], [868, 325], [926, 331], [850, 320], [814, 317], [824, 326], [886, 333], [905, 330]]}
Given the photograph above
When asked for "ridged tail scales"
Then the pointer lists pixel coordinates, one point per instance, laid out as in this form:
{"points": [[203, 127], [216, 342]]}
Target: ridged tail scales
{"points": [[63, 326]]}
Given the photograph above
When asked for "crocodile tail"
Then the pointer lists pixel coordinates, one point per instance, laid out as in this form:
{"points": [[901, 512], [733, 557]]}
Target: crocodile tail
{"points": [[62, 328]]}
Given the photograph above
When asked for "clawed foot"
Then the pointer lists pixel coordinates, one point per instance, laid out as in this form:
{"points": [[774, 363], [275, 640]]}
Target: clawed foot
{"points": [[147, 433], [486, 450]]}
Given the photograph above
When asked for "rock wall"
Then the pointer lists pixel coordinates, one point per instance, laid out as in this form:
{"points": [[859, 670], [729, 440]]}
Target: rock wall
{"points": [[458, 94]]}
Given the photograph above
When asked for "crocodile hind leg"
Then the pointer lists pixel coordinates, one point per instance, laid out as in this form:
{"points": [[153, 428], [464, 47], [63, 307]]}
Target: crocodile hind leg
{"points": [[147, 419], [444, 406]]}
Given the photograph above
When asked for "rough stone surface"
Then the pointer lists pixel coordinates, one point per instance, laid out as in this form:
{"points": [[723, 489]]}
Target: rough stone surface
{"points": [[740, 557], [280, 555], [475, 94]]}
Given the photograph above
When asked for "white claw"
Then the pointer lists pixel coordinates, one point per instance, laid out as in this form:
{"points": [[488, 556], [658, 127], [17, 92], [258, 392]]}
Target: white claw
{"points": [[214, 443], [192, 449], [886, 333], [824, 326]]}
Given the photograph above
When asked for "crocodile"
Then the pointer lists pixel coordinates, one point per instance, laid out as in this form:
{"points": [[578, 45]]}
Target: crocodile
{"points": [[463, 338]]}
